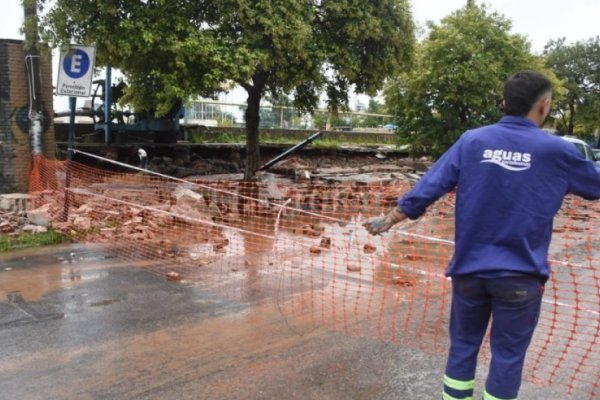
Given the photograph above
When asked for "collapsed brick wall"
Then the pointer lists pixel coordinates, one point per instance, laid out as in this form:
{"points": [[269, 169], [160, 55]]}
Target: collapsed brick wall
{"points": [[301, 245], [15, 150]]}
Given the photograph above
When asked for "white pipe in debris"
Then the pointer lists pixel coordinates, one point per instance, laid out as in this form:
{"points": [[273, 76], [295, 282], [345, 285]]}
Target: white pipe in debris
{"points": [[36, 116]]}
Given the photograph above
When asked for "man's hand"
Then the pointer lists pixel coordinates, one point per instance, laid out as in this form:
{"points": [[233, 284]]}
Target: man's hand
{"points": [[376, 226]]}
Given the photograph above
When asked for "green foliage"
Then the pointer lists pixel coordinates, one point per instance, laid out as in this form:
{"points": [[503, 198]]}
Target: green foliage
{"points": [[26, 240], [195, 138], [227, 137], [30, 23], [158, 45], [457, 80], [267, 137], [173, 49], [178, 49], [577, 65], [326, 144]]}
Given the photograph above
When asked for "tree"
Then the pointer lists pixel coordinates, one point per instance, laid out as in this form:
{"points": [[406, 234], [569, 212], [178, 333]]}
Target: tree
{"points": [[175, 49], [578, 66], [457, 80]]}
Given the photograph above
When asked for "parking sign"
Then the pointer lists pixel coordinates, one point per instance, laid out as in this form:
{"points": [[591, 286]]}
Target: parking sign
{"points": [[75, 71]]}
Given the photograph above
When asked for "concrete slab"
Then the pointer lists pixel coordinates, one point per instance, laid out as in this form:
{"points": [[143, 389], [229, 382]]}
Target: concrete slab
{"points": [[14, 202], [78, 324]]}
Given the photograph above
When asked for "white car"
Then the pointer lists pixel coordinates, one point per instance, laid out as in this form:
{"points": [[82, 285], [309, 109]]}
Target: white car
{"points": [[583, 147]]}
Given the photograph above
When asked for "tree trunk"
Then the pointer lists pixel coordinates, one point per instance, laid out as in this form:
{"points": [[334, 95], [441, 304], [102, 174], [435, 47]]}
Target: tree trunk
{"points": [[252, 118]]}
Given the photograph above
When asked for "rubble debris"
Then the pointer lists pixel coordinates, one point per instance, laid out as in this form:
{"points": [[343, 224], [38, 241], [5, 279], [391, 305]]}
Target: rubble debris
{"points": [[40, 216], [290, 166], [311, 230], [82, 223], [191, 205], [369, 248], [220, 244], [413, 177], [151, 225], [174, 276], [325, 242], [402, 281], [315, 250], [12, 223], [353, 268], [303, 175]]}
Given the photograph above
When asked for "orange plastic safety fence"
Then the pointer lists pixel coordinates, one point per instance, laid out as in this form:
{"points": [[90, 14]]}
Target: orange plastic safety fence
{"points": [[301, 245]]}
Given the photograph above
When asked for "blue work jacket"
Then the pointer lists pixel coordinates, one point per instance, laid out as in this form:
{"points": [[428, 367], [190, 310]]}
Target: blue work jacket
{"points": [[511, 179]]}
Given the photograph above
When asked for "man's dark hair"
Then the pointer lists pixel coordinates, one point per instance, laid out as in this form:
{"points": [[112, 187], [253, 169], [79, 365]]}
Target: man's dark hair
{"points": [[523, 90]]}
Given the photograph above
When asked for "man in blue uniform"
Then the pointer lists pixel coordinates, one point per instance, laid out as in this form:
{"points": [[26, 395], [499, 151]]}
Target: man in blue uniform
{"points": [[510, 180]]}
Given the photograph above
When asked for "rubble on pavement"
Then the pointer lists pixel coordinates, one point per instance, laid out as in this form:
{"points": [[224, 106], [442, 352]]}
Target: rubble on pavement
{"points": [[14, 216], [11, 223]]}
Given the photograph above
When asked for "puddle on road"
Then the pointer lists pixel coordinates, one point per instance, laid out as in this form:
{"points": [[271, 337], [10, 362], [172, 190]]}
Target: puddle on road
{"points": [[35, 273], [342, 286]]}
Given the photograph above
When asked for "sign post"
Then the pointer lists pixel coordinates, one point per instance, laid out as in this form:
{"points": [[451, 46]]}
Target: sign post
{"points": [[75, 72]]}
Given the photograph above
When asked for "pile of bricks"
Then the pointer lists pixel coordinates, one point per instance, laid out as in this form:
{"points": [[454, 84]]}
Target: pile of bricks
{"points": [[14, 218], [15, 224]]}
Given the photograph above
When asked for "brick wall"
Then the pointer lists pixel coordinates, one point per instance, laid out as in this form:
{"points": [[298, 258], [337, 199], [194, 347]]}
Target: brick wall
{"points": [[15, 152]]}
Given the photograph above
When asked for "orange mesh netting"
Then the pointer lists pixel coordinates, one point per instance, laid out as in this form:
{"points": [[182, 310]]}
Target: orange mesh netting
{"points": [[301, 245]]}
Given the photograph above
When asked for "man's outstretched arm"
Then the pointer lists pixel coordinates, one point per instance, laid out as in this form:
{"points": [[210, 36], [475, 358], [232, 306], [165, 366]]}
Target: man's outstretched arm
{"points": [[439, 180]]}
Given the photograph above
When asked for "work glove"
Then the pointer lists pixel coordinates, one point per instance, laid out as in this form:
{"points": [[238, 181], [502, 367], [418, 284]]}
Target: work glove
{"points": [[376, 226]]}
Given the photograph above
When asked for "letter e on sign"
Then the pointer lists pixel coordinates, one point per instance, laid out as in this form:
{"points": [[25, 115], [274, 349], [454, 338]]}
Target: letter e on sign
{"points": [[75, 71]]}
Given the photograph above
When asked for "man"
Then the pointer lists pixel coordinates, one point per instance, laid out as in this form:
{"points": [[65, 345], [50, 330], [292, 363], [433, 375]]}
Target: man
{"points": [[510, 179]]}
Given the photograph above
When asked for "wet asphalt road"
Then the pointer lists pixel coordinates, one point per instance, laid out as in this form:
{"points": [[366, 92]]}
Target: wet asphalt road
{"points": [[77, 325]]}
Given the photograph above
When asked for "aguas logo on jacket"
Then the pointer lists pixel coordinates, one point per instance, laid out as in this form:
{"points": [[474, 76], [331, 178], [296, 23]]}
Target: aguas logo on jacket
{"points": [[510, 160]]}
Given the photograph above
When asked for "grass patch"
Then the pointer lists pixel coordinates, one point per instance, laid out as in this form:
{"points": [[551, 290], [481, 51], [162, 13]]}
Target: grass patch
{"points": [[27, 240], [323, 142], [327, 144], [221, 137]]}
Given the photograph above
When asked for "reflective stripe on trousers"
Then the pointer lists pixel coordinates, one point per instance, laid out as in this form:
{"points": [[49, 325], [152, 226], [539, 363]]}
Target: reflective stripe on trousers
{"points": [[455, 389]]}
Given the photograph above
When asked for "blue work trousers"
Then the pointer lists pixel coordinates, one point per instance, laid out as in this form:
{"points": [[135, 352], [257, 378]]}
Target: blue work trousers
{"points": [[514, 305]]}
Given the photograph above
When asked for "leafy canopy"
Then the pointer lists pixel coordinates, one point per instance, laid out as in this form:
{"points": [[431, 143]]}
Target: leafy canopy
{"points": [[578, 66], [457, 79], [176, 49], [171, 49]]}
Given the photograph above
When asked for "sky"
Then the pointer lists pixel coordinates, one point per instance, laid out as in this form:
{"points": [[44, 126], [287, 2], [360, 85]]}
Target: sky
{"points": [[538, 20]]}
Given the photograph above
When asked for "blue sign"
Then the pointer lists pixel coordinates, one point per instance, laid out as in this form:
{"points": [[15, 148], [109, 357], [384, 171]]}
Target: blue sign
{"points": [[76, 64]]}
